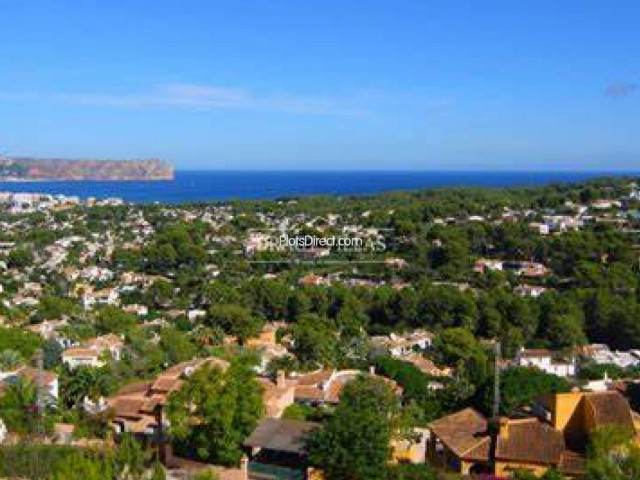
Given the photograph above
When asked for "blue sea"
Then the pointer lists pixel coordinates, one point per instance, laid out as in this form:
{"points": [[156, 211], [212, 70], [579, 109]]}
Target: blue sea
{"points": [[197, 186]]}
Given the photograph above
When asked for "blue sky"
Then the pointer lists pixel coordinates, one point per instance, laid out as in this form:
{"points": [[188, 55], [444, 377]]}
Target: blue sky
{"points": [[349, 84]]}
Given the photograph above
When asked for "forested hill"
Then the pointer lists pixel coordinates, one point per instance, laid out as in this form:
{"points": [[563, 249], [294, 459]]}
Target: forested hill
{"points": [[26, 169]]}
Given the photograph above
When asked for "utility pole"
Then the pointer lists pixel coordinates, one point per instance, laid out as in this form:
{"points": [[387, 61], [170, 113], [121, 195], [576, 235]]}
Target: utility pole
{"points": [[496, 385], [40, 406], [41, 400]]}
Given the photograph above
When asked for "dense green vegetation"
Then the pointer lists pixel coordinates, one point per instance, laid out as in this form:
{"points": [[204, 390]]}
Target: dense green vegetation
{"points": [[23, 342], [193, 261], [127, 461], [355, 441], [613, 455], [215, 411]]}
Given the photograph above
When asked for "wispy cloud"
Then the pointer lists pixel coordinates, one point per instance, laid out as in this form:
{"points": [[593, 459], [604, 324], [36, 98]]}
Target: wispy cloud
{"points": [[203, 98], [17, 97], [211, 97], [621, 89]]}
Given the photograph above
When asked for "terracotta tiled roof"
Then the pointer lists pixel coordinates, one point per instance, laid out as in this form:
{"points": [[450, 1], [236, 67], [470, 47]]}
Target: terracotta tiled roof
{"points": [[128, 407], [275, 397], [536, 353], [179, 369], [105, 342], [427, 366], [137, 387], [80, 352], [141, 425], [315, 378], [166, 383], [481, 451], [271, 389], [610, 408], [327, 385], [530, 440], [135, 404], [309, 386], [309, 393], [335, 389], [463, 432], [150, 404]]}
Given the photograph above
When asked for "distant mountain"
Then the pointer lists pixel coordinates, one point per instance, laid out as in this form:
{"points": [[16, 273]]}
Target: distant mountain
{"points": [[33, 169]]}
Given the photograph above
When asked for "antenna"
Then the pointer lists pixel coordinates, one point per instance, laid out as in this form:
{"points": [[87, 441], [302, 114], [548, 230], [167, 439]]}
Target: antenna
{"points": [[496, 386]]}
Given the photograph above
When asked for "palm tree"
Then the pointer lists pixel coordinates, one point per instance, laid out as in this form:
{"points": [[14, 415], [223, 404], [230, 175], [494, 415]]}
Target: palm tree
{"points": [[82, 382], [19, 406], [76, 385]]}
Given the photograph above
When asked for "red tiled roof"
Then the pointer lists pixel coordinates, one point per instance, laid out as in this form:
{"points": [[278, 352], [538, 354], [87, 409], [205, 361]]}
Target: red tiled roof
{"points": [[536, 353], [136, 403], [315, 378], [309, 393], [128, 407], [530, 440], [166, 384], [463, 432], [80, 352], [137, 387], [610, 408]]}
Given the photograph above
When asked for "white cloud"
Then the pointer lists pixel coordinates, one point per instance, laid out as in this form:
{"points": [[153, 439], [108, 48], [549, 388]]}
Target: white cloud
{"points": [[212, 97], [206, 97]]}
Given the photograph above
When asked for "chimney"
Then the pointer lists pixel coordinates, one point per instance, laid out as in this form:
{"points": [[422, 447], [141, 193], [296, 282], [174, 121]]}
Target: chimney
{"points": [[503, 427], [281, 379], [372, 369]]}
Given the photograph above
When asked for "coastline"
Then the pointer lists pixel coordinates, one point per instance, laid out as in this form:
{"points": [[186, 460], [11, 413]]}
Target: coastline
{"points": [[224, 185], [97, 180]]}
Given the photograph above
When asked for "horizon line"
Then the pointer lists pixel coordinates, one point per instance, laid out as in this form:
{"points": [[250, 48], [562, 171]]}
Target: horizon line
{"points": [[403, 170]]}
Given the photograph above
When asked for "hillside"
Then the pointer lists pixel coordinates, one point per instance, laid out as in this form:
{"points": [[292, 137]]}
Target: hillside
{"points": [[32, 169]]}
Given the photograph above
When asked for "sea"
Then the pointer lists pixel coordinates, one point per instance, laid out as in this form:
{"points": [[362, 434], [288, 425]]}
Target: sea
{"points": [[204, 186]]}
